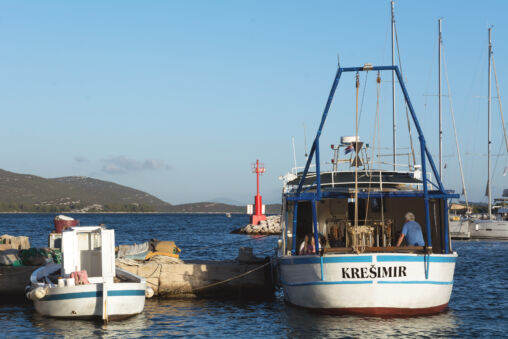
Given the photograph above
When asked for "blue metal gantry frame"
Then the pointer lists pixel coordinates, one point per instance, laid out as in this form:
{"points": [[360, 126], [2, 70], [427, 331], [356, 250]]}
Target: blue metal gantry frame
{"points": [[424, 152]]}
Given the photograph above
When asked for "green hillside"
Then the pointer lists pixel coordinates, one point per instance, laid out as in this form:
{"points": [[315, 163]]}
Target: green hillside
{"points": [[213, 207], [31, 193]]}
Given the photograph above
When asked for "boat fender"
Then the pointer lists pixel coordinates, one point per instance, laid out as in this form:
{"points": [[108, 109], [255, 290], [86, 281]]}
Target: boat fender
{"points": [[37, 294], [149, 292]]}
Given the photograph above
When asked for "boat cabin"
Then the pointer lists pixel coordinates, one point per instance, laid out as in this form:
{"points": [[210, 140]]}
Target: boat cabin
{"points": [[380, 222], [90, 248], [384, 197], [366, 203]]}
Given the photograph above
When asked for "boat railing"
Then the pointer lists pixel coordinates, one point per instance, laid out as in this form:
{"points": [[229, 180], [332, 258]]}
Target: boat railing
{"points": [[391, 249], [416, 174], [295, 170]]}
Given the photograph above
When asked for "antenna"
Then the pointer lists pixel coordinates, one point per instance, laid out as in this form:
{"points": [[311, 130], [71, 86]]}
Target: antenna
{"points": [[294, 152], [305, 141]]}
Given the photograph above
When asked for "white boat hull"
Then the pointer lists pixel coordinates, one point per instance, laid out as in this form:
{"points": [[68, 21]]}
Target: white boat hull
{"points": [[369, 284], [489, 229], [123, 299], [459, 229]]}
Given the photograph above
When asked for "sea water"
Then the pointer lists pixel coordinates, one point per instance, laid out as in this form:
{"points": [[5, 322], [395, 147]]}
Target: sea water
{"points": [[478, 306]]}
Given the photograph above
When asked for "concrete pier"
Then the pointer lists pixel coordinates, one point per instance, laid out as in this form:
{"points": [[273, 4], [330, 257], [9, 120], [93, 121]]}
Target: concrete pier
{"points": [[205, 278]]}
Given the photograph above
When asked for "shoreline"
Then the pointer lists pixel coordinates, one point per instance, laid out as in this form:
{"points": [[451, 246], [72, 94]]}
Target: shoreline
{"points": [[236, 213]]}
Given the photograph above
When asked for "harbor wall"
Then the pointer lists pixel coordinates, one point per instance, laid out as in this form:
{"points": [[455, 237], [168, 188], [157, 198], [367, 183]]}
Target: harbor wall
{"points": [[205, 278]]}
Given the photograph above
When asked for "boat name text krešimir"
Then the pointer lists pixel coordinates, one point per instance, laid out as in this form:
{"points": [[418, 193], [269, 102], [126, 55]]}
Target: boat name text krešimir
{"points": [[373, 272]]}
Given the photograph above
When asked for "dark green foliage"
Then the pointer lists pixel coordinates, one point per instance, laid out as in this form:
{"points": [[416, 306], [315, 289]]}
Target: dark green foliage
{"points": [[30, 193], [214, 207]]}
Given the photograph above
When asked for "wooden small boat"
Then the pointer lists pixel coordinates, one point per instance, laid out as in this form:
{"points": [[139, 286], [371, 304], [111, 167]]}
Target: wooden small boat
{"points": [[87, 283]]}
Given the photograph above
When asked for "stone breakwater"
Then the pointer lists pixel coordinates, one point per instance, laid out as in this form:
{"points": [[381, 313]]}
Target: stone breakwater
{"points": [[269, 226]]}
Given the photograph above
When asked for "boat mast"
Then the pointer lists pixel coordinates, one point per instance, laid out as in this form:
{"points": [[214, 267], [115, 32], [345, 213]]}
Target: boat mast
{"points": [[357, 155], [439, 96], [393, 91], [489, 193]]}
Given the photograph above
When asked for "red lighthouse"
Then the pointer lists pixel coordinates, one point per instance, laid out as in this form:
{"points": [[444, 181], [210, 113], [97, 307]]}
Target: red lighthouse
{"points": [[258, 215]]}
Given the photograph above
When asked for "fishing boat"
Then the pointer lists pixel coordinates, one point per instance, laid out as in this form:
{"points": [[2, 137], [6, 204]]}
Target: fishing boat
{"points": [[363, 208], [87, 283], [490, 228]]}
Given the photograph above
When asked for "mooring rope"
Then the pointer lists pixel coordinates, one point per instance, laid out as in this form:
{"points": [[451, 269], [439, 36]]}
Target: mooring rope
{"points": [[232, 278]]}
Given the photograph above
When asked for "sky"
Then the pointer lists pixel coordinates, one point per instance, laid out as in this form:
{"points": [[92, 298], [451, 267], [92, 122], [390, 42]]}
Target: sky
{"points": [[179, 98]]}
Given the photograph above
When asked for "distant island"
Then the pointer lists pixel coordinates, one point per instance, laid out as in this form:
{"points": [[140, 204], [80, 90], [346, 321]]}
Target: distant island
{"points": [[30, 193]]}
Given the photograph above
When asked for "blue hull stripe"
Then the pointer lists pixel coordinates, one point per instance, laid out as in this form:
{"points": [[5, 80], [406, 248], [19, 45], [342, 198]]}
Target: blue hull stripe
{"points": [[327, 283], [418, 282], [121, 293], [310, 283], [326, 260], [408, 258], [93, 294], [64, 296], [365, 259]]}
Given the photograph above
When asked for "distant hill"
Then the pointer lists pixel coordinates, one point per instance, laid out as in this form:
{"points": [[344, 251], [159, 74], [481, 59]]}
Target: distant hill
{"points": [[31, 193], [215, 207]]}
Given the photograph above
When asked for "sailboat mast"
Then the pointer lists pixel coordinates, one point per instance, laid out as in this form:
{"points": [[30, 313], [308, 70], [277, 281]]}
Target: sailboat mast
{"points": [[489, 193], [393, 91], [439, 96]]}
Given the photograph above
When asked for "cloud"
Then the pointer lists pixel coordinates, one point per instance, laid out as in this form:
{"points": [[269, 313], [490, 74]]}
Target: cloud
{"points": [[124, 165], [80, 159]]}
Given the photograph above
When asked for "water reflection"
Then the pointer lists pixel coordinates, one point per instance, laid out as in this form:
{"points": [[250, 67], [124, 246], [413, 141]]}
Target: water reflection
{"points": [[212, 317], [303, 323], [229, 318], [70, 328]]}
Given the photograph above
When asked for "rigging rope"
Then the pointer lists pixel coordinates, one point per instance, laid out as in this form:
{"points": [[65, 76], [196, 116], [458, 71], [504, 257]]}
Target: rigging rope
{"points": [[355, 245], [502, 120], [380, 173], [378, 85], [363, 98], [455, 131], [407, 112], [475, 106], [429, 76], [500, 105]]}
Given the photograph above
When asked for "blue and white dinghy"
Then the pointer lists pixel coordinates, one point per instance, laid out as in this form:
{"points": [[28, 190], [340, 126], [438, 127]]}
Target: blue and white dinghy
{"points": [[348, 220], [87, 284]]}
